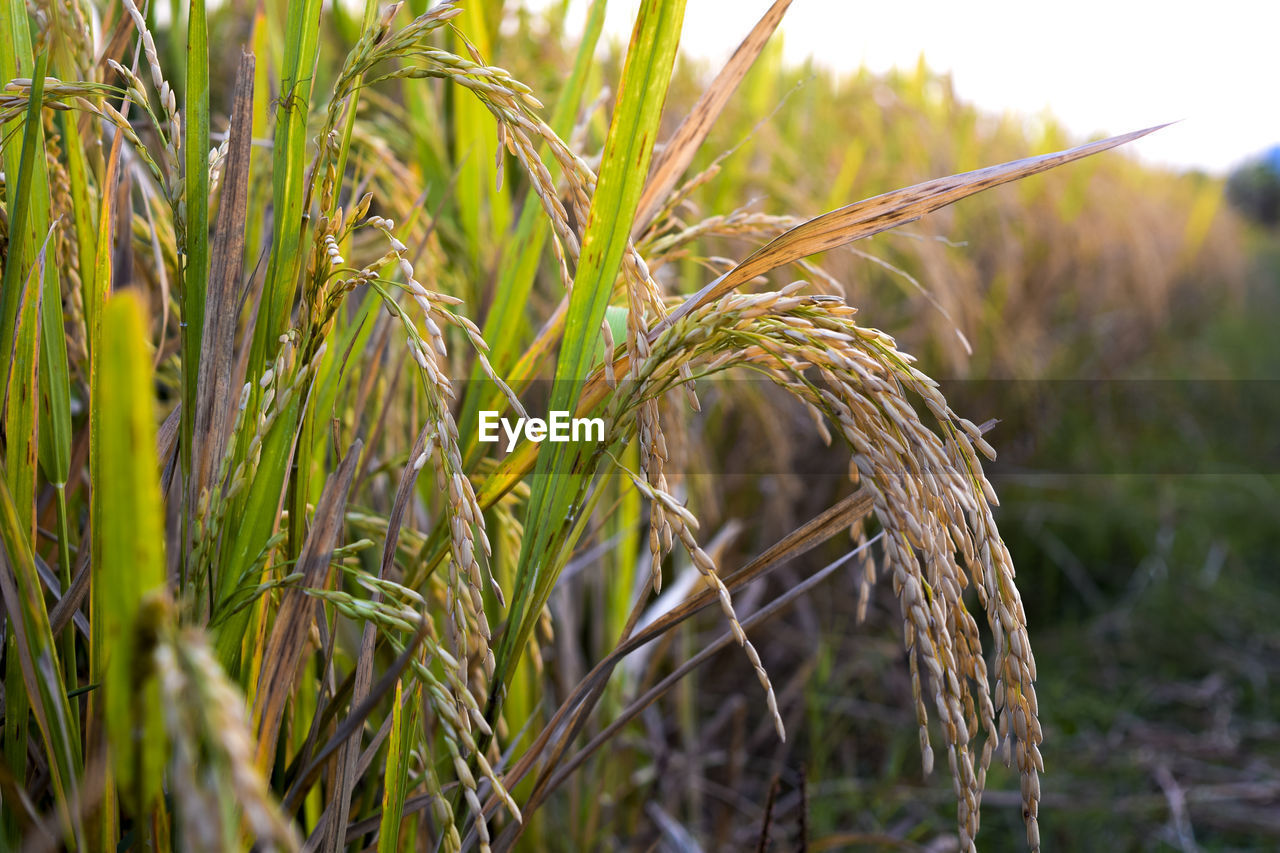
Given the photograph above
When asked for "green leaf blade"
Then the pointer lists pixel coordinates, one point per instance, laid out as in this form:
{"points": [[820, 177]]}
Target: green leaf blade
{"points": [[642, 91], [128, 545]]}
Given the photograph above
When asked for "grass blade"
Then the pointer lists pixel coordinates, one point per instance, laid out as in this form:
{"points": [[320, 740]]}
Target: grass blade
{"points": [[288, 176], [404, 726], [628, 148], [20, 324], [196, 194], [475, 140], [105, 829], [128, 546], [214, 379]]}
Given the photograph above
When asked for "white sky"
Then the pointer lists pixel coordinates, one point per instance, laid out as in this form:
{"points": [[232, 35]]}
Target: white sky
{"points": [[1099, 67]]}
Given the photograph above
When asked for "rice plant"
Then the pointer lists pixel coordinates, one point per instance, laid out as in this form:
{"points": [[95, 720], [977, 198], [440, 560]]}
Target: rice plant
{"points": [[264, 586]]}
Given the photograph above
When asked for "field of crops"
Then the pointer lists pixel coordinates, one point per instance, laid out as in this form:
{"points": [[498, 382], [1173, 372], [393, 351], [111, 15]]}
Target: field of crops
{"points": [[426, 427]]}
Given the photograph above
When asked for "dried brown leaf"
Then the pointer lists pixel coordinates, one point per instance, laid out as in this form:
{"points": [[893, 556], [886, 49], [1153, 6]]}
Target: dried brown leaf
{"points": [[692, 132], [289, 634], [217, 346], [882, 212]]}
